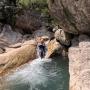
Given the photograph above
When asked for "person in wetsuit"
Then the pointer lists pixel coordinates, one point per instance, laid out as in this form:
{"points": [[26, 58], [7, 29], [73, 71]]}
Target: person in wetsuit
{"points": [[41, 48]]}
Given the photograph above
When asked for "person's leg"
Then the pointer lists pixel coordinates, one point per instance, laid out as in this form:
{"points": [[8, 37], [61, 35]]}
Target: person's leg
{"points": [[41, 55]]}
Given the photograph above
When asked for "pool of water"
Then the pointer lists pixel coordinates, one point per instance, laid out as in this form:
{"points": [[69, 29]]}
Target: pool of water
{"points": [[46, 74]]}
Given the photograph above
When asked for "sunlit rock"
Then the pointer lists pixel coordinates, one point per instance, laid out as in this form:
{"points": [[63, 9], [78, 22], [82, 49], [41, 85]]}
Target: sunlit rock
{"points": [[79, 63], [18, 56], [53, 47]]}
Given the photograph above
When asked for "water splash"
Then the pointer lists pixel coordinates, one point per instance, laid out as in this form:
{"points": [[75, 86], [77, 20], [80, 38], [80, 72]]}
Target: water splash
{"points": [[32, 74], [41, 74]]}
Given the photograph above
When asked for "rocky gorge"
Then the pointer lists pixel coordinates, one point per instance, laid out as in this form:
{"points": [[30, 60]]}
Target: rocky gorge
{"points": [[69, 39]]}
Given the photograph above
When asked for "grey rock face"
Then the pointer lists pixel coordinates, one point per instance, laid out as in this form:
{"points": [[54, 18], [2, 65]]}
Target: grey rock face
{"points": [[10, 36], [73, 15], [62, 37], [43, 32], [28, 21], [79, 63]]}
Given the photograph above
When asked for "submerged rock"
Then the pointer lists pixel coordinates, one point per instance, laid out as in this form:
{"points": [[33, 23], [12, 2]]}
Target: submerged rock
{"points": [[79, 63]]}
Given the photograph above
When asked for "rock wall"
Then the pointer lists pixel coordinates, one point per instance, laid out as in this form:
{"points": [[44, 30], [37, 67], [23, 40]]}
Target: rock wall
{"points": [[79, 63], [73, 16]]}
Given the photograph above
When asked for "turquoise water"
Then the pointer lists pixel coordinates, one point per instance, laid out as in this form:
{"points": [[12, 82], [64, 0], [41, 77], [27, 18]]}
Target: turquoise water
{"points": [[50, 74]]}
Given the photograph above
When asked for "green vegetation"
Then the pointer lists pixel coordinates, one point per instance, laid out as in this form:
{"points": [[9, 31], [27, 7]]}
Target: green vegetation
{"points": [[8, 10], [39, 6], [28, 3]]}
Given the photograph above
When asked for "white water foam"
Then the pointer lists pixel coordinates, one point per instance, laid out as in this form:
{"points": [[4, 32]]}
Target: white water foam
{"points": [[34, 74], [40, 74]]}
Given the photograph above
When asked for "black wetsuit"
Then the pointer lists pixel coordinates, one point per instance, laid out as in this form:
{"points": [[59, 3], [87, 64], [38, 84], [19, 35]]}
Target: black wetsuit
{"points": [[42, 50]]}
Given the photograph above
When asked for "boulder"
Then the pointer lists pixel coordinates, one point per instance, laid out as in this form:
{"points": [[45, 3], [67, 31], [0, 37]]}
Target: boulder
{"points": [[73, 16], [17, 57], [53, 47], [62, 37], [2, 50], [79, 63], [10, 39], [43, 32], [9, 36]]}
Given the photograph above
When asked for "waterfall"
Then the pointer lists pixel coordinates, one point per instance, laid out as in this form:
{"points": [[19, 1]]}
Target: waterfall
{"points": [[40, 74]]}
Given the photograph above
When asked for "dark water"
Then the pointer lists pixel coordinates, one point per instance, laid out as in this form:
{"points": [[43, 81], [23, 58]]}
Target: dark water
{"points": [[43, 74]]}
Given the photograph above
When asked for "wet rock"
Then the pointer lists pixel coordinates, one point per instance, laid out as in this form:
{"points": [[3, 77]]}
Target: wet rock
{"points": [[17, 57], [62, 37], [73, 15], [79, 63], [53, 47]]}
